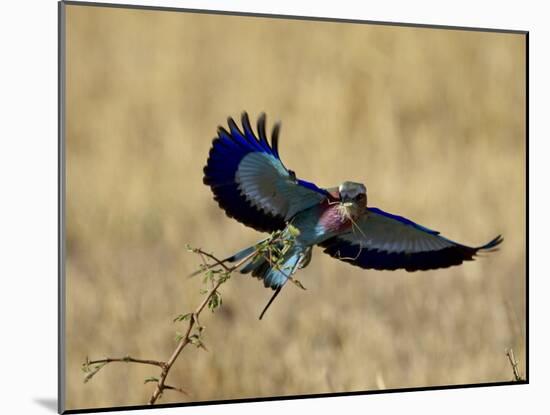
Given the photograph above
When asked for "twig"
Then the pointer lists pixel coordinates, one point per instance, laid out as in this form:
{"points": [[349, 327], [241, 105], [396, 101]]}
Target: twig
{"points": [[176, 389], [514, 363], [127, 359], [216, 261], [186, 339], [91, 367]]}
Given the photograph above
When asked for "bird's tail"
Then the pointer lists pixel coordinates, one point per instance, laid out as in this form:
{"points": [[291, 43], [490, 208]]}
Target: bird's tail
{"points": [[243, 253], [275, 266], [274, 262], [232, 259]]}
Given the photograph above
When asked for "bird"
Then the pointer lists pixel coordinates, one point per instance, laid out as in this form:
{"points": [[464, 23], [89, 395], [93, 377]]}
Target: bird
{"points": [[250, 182]]}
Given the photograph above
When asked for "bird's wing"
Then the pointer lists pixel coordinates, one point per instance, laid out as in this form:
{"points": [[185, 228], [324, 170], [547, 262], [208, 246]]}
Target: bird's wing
{"points": [[380, 240], [249, 181]]}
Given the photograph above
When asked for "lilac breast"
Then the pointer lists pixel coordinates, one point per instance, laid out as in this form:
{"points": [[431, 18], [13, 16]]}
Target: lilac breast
{"points": [[331, 220], [320, 223]]}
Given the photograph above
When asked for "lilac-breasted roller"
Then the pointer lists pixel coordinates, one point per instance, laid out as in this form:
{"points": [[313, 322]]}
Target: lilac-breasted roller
{"points": [[252, 185]]}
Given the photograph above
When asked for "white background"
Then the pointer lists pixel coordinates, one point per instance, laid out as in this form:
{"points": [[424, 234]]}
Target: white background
{"points": [[28, 191]]}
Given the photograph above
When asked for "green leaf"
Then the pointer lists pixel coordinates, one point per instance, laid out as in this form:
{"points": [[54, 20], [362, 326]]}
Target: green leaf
{"points": [[196, 340], [298, 283], [182, 317], [93, 371], [214, 301], [224, 277], [201, 345], [151, 379]]}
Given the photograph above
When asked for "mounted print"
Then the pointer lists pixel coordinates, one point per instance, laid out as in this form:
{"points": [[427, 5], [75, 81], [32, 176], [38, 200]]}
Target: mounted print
{"points": [[257, 207]]}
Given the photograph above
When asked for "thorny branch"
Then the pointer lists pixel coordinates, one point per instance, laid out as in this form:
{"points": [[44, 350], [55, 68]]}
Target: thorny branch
{"points": [[216, 272]]}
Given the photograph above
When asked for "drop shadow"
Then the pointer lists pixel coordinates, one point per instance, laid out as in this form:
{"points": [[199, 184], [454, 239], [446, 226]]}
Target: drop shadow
{"points": [[48, 403]]}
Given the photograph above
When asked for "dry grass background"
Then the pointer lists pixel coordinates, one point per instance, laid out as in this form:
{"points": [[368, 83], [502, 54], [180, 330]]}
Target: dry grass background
{"points": [[431, 120]]}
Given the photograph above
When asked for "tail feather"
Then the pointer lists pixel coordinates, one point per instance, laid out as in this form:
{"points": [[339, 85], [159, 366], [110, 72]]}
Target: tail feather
{"points": [[253, 265], [242, 254], [274, 276], [491, 245], [277, 291]]}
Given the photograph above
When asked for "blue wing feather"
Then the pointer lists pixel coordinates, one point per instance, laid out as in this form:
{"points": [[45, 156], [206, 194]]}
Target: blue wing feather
{"points": [[263, 138], [390, 242], [238, 185], [403, 220]]}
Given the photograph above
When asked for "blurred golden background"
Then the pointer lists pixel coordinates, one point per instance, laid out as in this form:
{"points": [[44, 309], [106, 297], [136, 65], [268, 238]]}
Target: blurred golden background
{"points": [[431, 120]]}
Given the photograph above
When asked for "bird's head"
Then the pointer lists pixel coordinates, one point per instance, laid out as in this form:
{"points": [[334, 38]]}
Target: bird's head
{"points": [[353, 195]]}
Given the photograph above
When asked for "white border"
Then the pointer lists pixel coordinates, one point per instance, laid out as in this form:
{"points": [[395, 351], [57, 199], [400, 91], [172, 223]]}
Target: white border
{"points": [[28, 183]]}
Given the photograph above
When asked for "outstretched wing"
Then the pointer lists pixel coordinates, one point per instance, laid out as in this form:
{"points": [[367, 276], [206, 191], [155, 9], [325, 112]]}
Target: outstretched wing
{"points": [[388, 242], [249, 181]]}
